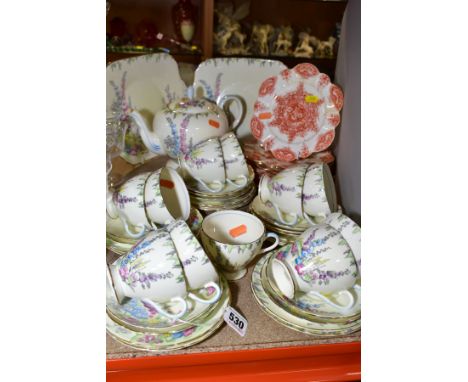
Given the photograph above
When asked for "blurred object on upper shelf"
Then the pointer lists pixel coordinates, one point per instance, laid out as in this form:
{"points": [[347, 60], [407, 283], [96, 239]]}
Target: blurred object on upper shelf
{"points": [[259, 39], [184, 19], [146, 33], [228, 38], [283, 41], [118, 33], [304, 48], [108, 5]]}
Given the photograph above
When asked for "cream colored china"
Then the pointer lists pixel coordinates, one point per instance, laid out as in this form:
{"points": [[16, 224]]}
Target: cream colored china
{"points": [[203, 163], [128, 203], [350, 231], [318, 194], [180, 338], [217, 77], [237, 171], [284, 191], [183, 123], [319, 263], [120, 243], [148, 199], [198, 269], [152, 272], [229, 190], [233, 239], [319, 329], [308, 306], [134, 314], [146, 83]]}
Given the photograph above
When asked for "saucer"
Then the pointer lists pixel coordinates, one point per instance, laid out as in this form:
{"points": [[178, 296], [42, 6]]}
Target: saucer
{"points": [[217, 77], [296, 113], [229, 190], [267, 212], [137, 316], [146, 83], [183, 338], [319, 329], [307, 306], [118, 242]]}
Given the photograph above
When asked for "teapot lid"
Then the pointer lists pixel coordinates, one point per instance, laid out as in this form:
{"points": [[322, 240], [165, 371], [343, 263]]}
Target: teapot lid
{"points": [[192, 106]]}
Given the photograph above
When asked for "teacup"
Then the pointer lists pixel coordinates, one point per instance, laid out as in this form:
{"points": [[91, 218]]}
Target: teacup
{"points": [[284, 191], [151, 271], [319, 263], [147, 199], [198, 269], [237, 171], [350, 231], [128, 203], [233, 239], [203, 163], [318, 193]]}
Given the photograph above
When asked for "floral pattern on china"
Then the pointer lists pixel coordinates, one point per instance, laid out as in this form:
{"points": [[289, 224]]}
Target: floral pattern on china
{"points": [[296, 113]]}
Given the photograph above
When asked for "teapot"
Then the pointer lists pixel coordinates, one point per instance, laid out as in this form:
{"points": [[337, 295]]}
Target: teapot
{"points": [[185, 122]]}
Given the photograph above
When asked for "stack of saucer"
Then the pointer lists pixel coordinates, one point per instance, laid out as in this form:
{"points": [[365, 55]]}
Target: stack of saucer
{"points": [[313, 285], [265, 163], [229, 198], [142, 327], [165, 294], [266, 212]]}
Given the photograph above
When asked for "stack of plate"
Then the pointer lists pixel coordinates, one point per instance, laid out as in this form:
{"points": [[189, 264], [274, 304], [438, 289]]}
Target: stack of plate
{"points": [[304, 313], [120, 243], [265, 163], [141, 327], [229, 198], [266, 213]]}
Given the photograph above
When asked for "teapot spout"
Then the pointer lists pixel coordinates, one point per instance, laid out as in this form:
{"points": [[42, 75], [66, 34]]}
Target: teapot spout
{"points": [[150, 139]]}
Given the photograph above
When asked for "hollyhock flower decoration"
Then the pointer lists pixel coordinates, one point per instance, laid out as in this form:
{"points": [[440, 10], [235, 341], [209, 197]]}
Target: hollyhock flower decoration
{"points": [[296, 113]]}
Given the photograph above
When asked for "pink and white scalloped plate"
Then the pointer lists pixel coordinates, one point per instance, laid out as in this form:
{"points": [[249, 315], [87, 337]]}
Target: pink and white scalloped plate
{"points": [[296, 112]]}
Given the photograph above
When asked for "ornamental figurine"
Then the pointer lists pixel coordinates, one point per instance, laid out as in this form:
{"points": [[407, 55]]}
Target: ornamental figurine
{"points": [[283, 43], [261, 34], [325, 49], [304, 48]]}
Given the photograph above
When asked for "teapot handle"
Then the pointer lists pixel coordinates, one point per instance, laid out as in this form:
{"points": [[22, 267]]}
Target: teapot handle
{"points": [[241, 105]]}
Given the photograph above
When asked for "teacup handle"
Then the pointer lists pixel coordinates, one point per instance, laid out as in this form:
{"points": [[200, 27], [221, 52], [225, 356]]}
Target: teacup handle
{"points": [[238, 185], [279, 214], [274, 245], [217, 188], [311, 219], [238, 100], [340, 308], [164, 312], [213, 299], [130, 233]]}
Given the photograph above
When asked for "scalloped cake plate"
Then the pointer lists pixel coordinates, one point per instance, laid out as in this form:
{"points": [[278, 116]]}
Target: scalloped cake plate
{"points": [[296, 112], [217, 77], [146, 83]]}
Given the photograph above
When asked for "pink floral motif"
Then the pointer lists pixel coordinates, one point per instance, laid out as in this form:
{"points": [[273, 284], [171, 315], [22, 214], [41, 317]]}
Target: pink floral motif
{"points": [[257, 127], [294, 116], [285, 74], [336, 96], [304, 153], [324, 80], [267, 86], [259, 106], [334, 119], [189, 331], [285, 154], [268, 143], [325, 140], [306, 70]]}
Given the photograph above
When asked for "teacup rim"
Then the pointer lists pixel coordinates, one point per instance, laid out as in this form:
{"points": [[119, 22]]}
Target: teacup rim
{"points": [[236, 212]]}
